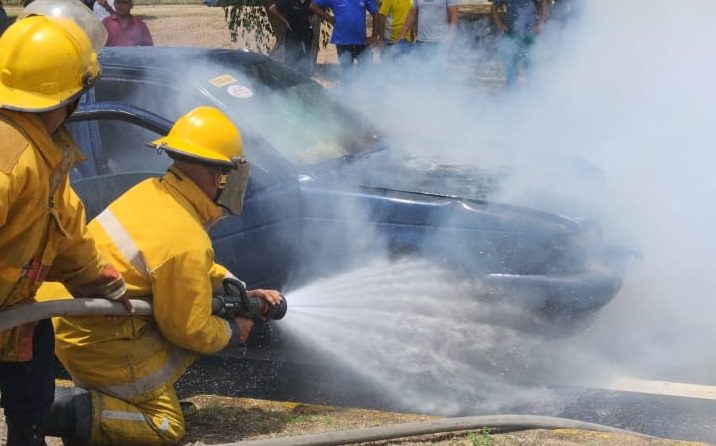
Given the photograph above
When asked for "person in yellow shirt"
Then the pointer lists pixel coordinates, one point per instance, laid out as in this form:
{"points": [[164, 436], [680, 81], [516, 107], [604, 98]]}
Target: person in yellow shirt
{"points": [[47, 61], [389, 22], [156, 234]]}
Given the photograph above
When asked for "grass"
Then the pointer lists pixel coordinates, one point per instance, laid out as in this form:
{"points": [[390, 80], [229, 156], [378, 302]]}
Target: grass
{"points": [[483, 437]]}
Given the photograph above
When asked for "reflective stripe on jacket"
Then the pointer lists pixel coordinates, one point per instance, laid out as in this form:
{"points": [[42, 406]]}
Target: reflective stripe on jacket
{"points": [[155, 235], [42, 221]]}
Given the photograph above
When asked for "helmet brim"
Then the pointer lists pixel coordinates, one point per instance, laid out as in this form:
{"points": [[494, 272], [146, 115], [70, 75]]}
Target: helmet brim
{"points": [[24, 101], [191, 151]]}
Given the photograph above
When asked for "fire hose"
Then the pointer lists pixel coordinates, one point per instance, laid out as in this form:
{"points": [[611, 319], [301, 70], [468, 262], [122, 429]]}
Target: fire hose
{"points": [[494, 424], [23, 314], [233, 303]]}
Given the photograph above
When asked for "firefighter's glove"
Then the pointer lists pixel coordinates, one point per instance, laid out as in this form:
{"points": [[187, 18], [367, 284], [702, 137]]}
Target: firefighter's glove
{"points": [[109, 285]]}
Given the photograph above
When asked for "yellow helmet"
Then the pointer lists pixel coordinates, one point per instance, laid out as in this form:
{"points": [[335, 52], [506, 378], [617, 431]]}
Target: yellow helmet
{"points": [[206, 135], [45, 63]]}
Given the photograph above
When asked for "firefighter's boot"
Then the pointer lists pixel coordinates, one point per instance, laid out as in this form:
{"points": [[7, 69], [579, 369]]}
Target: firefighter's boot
{"points": [[70, 416]]}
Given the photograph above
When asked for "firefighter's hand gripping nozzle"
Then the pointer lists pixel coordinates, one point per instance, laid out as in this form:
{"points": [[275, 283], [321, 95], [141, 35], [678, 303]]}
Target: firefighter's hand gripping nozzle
{"points": [[236, 303]]}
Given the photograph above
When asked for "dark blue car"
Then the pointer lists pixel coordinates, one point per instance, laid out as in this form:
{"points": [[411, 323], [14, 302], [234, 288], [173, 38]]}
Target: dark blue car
{"points": [[325, 189]]}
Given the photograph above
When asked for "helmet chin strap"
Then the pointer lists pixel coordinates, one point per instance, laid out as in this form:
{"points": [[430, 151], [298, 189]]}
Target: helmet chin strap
{"points": [[71, 107]]}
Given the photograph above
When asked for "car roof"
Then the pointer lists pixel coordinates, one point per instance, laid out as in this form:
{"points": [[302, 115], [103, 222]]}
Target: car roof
{"points": [[182, 62], [157, 57]]}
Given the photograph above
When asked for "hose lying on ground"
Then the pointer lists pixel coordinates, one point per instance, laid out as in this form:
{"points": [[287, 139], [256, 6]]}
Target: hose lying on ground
{"points": [[23, 314], [495, 423]]}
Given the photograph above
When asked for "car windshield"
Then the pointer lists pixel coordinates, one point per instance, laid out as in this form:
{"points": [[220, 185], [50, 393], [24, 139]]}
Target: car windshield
{"points": [[302, 120], [310, 126]]}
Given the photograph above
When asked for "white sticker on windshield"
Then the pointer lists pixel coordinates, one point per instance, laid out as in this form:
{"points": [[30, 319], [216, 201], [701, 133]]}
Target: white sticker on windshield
{"points": [[239, 91]]}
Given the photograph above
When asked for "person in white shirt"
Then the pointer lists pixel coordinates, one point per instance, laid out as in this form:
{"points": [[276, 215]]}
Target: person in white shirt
{"points": [[103, 8]]}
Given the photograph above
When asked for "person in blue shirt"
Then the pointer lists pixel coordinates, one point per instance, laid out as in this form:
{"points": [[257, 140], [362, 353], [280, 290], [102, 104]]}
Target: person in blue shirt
{"points": [[519, 22], [349, 22]]}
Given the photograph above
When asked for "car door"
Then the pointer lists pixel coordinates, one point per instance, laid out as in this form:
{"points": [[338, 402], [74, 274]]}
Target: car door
{"points": [[257, 246]]}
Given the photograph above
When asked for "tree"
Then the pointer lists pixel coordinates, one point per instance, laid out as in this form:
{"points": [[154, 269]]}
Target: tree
{"points": [[250, 18]]}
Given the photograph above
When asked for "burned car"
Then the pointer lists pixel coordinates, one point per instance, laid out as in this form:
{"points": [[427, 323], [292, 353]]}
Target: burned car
{"points": [[325, 187]]}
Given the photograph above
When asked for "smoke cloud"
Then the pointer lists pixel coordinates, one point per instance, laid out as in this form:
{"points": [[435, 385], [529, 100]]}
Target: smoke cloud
{"points": [[613, 124], [631, 93]]}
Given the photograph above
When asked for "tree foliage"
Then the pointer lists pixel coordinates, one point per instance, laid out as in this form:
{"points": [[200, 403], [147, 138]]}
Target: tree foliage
{"points": [[259, 29], [250, 20]]}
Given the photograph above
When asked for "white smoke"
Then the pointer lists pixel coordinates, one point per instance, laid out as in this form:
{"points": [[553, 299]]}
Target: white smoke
{"points": [[615, 122]]}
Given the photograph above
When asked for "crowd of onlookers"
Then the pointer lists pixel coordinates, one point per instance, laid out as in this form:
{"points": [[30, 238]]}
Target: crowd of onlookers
{"points": [[401, 28], [406, 29]]}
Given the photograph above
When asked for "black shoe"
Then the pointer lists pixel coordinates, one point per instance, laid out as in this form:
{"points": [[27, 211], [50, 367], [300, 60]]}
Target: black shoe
{"points": [[24, 434]]}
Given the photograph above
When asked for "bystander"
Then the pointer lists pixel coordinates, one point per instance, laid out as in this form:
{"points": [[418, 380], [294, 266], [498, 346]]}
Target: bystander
{"points": [[389, 23], [518, 22], [295, 14], [349, 21], [103, 8], [436, 21], [123, 29]]}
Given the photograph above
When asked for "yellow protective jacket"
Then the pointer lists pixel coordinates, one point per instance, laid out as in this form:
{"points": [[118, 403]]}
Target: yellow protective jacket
{"points": [[42, 222], [155, 236]]}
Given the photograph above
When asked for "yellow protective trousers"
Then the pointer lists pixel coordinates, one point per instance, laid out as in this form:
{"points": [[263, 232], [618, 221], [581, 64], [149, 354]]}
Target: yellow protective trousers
{"points": [[156, 421]]}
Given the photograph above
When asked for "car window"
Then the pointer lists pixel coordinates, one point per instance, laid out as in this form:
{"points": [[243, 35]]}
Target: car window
{"points": [[314, 127], [162, 99], [124, 145], [125, 150]]}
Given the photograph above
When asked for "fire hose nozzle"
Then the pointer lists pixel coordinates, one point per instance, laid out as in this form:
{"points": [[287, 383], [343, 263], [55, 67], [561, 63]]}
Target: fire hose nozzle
{"points": [[273, 312], [237, 303], [248, 307]]}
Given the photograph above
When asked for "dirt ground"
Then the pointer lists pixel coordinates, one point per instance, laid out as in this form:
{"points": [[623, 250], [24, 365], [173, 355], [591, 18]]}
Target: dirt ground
{"points": [[221, 420], [243, 419], [224, 420]]}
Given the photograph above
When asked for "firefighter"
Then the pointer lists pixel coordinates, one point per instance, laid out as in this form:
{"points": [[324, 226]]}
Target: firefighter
{"points": [[46, 63], [156, 235]]}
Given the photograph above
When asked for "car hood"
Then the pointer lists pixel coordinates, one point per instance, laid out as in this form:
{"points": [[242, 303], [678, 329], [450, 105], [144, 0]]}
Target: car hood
{"points": [[568, 191], [391, 170]]}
